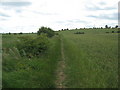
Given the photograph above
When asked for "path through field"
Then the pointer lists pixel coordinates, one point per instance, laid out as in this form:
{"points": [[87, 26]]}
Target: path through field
{"points": [[60, 70]]}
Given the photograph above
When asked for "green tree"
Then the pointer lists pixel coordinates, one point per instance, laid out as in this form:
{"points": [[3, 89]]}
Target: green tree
{"points": [[116, 26], [46, 30], [106, 26]]}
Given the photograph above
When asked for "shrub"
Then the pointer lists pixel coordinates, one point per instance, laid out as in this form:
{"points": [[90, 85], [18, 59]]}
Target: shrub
{"points": [[118, 31], [46, 30], [33, 46], [112, 31], [79, 33]]}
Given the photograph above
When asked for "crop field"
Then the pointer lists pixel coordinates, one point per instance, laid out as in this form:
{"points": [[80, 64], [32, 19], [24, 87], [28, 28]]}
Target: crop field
{"points": [[87, 60]]}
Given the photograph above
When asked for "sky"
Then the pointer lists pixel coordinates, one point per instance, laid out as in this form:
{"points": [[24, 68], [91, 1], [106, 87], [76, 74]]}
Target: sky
{"points": [[29, 15]]}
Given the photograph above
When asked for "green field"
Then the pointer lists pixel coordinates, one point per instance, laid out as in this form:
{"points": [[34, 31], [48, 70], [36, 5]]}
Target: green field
{"points": [[91, 61]]}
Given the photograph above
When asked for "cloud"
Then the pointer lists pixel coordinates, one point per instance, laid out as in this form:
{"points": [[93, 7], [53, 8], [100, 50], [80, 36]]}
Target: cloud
{"points": [[99, 6], [77, 21], [44, 13], [18, 11], [3, 19], [15, 4], [102, 3], [113, 16], [56, 14], [4, 15], [95, 8]]}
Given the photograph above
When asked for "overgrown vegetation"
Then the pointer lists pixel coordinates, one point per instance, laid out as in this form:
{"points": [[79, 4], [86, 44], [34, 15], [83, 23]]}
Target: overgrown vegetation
{"points": [[46, 30], [33, 46], [35, 72]]}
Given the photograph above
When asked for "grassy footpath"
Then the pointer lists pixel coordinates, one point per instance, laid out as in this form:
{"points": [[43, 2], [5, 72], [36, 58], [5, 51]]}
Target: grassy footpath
{"points": [[91, 58], [21, 72]]}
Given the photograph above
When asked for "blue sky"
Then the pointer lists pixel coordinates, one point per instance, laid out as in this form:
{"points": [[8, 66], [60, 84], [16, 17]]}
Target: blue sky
{"points": [[29, 15]]}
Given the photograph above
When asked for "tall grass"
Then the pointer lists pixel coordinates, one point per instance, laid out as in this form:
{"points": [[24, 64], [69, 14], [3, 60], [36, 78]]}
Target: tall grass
{"points": [[23, 72], [91, 58]]}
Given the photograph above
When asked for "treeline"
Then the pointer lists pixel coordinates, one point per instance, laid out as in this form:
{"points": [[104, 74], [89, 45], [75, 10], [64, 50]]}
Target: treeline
{"points": [[106, 27], [51, 33], [45, 30], [17, 33]]}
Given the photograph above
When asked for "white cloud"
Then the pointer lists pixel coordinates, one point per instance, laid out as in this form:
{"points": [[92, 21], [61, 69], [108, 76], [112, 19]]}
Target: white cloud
{"points": [[57, 14]]}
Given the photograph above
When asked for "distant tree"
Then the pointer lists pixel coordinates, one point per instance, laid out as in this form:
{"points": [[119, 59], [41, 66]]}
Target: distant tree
{"points": [[9, 33], [116, 26], [110, 27], [46, 30], [20, 33], [106, 26], [15, 33], [112, 31], [67, 29]]}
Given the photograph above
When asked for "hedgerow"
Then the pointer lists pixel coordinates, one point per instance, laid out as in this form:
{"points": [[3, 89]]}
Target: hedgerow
{"points": [[33, 46]]}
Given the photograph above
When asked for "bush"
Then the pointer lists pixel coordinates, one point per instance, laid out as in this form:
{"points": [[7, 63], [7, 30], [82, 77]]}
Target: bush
{"points": [[79, 33], [33, 46], [112, 31], [46, 30]]}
